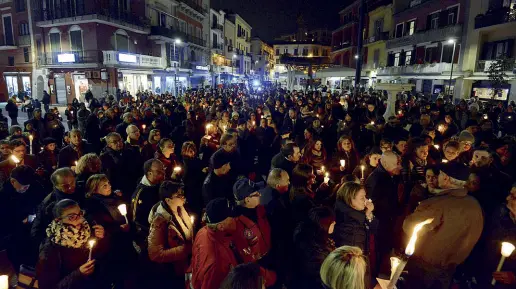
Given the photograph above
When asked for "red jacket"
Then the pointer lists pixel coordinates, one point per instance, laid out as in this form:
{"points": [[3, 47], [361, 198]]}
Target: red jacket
{"points": [[253, 241], [212, 259]]}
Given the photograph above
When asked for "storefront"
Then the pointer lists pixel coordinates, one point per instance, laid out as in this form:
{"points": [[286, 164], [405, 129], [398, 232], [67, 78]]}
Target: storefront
{"points": [[135, 81], [484, 91], [81, 86], [18, 82], [200, 76]]}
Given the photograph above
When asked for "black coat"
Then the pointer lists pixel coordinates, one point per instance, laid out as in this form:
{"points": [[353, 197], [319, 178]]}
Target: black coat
{"points": [[112, 164], [144, 198], [311, 247], [192, 174], [352, 228], [121, 129], [279, 161], [282, 228], [383, 190], [68, 155], [217, 187]]}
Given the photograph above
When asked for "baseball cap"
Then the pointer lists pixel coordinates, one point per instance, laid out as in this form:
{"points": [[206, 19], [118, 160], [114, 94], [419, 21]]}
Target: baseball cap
{"points": [[218, 210], [244, 187]]}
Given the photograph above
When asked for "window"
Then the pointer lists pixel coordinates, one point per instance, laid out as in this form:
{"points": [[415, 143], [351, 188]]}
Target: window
{"points": [[162, 19], [277, 51], [237, 63], [376, 58], [408, 57], [411, 27], [55, 41], [8, 30], [122, 41], [397, 59], [453, 12], [296, 51], [285, 50], [20, 5], [24, 29], [26, 54], [378, 27], [434, 20], [305, 51], [447, 53], [399, 30], [75, 38], [10, 60], [277, 61]]}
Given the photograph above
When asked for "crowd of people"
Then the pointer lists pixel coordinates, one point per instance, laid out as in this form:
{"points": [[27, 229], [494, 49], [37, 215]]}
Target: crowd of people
{"points": [[235, 188]]}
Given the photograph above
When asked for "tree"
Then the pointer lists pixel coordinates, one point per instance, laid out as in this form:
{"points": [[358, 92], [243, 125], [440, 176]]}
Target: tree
{"points": [[496, 72]]}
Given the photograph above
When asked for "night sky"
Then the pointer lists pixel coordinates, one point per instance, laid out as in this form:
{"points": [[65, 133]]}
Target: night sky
{"points": [[271, 18]]}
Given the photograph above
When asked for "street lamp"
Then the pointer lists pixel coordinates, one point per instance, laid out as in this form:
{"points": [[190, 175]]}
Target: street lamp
{"points": [[233, 66], [356, 56], [177, 41], [451, 41]]}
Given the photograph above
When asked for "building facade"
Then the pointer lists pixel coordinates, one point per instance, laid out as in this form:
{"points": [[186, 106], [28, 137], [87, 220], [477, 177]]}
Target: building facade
{"points": [[17, 58], [425, 45], [216, 43], [242, 41], [262, 59], [344, 39], [491, 30]]}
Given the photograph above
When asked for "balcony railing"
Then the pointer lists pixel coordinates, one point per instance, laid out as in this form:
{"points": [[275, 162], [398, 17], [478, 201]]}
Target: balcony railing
{"points": [[430, 35], [111, 14], [195, 6], [10, 42], [70, 58], [195, 40], [416, 69], [24, 40], [217, 26], [116, 58], [379, 37], [495, 17], [484, 65], [342, 46], [218, 46], [166, 32]]}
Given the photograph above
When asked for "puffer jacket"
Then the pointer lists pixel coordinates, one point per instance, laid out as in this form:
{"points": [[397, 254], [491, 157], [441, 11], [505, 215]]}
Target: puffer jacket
{"points": [[352, 227], [166, 242]]}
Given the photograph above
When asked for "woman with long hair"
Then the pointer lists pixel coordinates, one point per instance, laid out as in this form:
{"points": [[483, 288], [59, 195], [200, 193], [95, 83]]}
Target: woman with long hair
{"points": [[355, 222], [415, 162], [302, 197], [63, 258], [151, 146], [370, 162], [344, 268], [312, 243], [346, 152], [170, 238], [166, 155], [315, 155]]}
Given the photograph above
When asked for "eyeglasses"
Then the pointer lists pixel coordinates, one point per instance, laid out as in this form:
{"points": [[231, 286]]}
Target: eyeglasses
{"points": [[73, 217]]}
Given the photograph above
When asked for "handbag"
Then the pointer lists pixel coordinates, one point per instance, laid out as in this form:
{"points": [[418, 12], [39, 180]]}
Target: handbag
{"points": [[27, 278]]}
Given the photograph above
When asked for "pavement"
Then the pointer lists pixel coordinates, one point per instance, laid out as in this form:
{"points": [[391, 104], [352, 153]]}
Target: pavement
{"points": [[22, 116]]}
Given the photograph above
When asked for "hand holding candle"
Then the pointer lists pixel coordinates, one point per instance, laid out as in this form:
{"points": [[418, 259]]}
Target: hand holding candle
{"points": [[123, 211], [326, 178], [4, 282], [342, 165], [15, 160], [507, 249]]}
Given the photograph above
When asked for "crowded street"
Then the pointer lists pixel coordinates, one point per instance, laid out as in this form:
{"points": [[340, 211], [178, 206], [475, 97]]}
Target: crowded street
{"points": [[222, 144]]}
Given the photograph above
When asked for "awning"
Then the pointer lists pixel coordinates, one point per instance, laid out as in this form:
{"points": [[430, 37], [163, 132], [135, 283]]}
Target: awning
{"points": [[440, 77], [337, 72]]}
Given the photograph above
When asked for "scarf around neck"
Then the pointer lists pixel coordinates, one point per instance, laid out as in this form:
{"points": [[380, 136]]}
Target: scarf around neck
{"points": [[68, 236]]}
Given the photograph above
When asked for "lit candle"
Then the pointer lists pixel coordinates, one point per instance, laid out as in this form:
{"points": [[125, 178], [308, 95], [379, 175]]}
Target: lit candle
{"points": [[4, 282], [444, 161], [254, 123], [30, 143], [224, 128], [408, 252], [177, 169], [326, 178], [143, 126], [436, 147], [91, 243], [123, 211], [323, 169], [507, 249], [15, 160], [372, 122], [362, 167], [75, 163], [343, 163], [208, 126], [400, 112], [192, 219], [485, 116]]}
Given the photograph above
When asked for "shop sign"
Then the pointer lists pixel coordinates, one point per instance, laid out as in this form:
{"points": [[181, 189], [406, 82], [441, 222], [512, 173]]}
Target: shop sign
{"points": [[200, 67], [122, 57], [152, 61], [65, 57]]}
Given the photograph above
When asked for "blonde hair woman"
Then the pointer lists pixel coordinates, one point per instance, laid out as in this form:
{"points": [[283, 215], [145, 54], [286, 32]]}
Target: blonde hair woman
{"points": [[344, 268]]}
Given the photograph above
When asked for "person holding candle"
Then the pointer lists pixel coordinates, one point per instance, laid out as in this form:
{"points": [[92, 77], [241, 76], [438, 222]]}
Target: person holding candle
{"points": [[63, 258], [345, 151], [48, 156], [451, 150], [370, 162], [450, 237], [72, 152], [166, 155], [315, 155], [18, 150], [415, 162], [209, 142], [152, 144], [170, 238]]}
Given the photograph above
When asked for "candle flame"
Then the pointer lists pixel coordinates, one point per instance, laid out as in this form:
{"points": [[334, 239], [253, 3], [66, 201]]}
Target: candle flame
{"points": [[342, 163], [412, 243], [436, 146], [144, 126], [192, 219], [75, 163], [177, 169], [323, 168], [31, 137], [372, 123], [123, 209], [15, 159], [208, 126], [327, 175], [485, 116], [444, 161], [362, 167], [507, 249], [91, 243]]}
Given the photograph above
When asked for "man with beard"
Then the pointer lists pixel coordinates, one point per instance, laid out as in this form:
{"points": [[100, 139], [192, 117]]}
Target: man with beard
{"points": [[456, 225], [493, 183]]}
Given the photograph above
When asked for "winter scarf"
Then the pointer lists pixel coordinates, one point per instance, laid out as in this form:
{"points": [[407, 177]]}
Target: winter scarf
{"points": [[68, 236]]}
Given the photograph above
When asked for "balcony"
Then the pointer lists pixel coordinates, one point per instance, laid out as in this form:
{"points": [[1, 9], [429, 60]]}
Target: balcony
{"points": [[116, 58], [166, 32], [192, 4], [89, 58], [66, 15], [416, 69], [218, 46], [495, 17], [375, 38], [430, 35], [483, 65], [195, 40], [24, 40], [216, 26], [343, 45]]}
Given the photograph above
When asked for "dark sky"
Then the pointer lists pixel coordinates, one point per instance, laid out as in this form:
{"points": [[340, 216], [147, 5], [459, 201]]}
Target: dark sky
{"points": [[271, 18]]}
